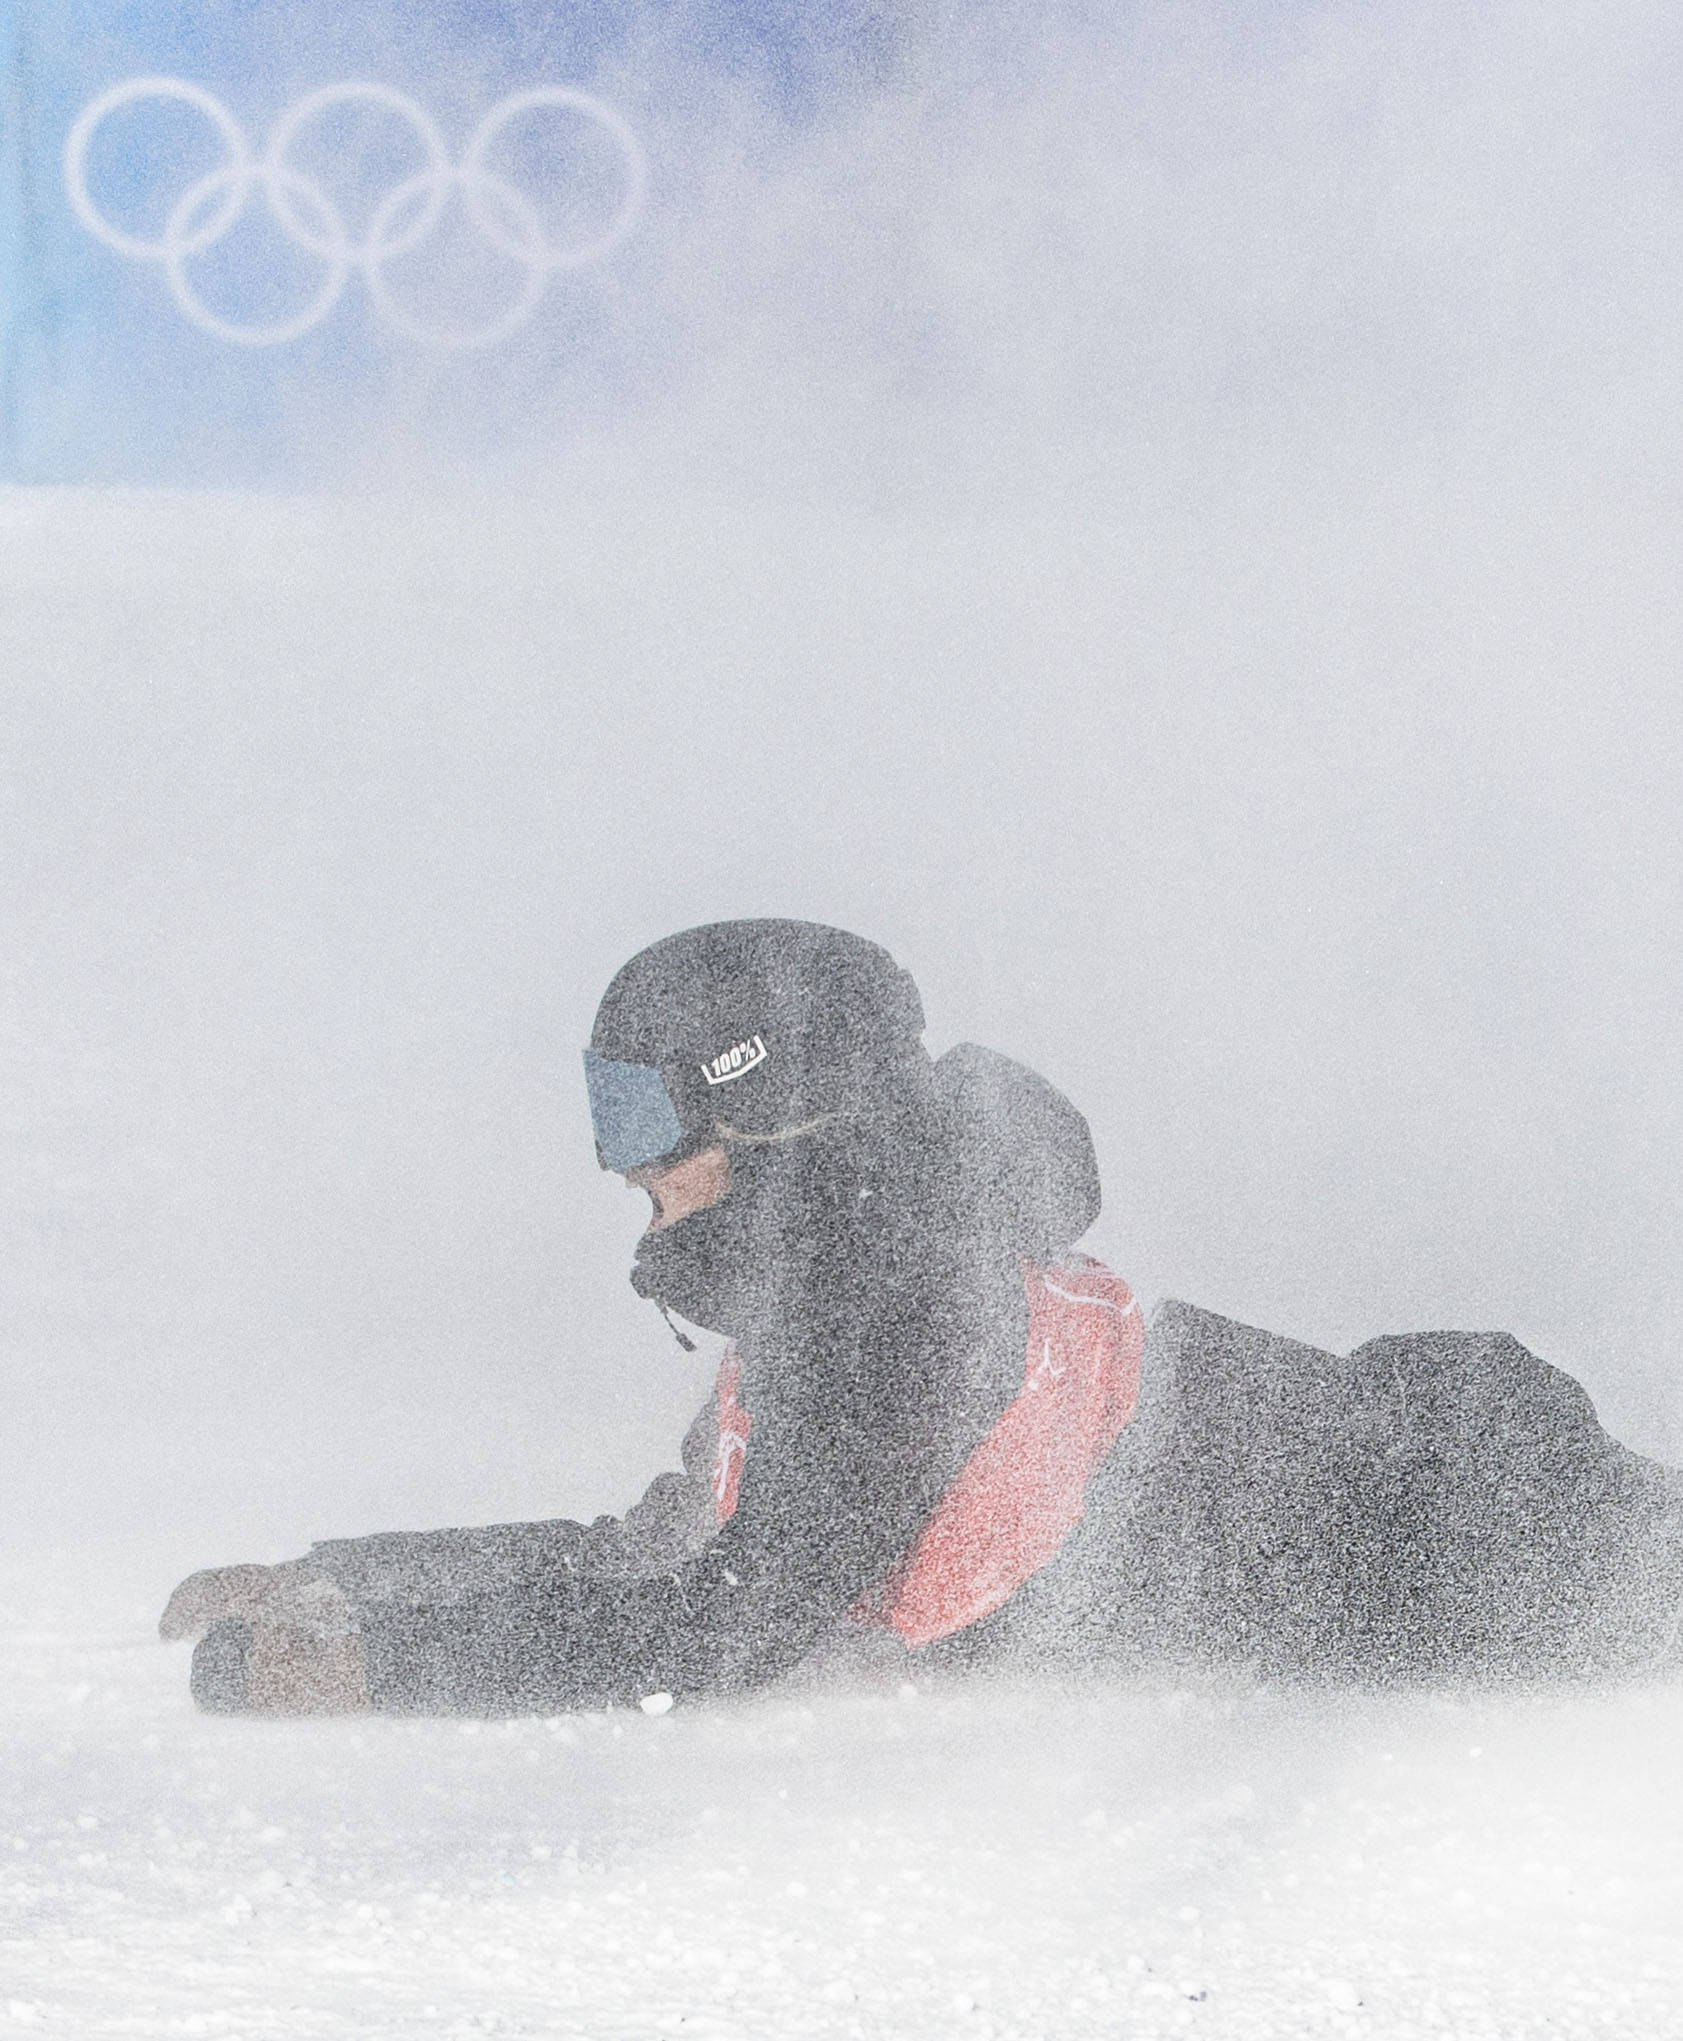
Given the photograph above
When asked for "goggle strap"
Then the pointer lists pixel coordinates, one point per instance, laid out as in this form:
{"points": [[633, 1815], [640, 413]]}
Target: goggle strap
{"points": [[744, 1139]]}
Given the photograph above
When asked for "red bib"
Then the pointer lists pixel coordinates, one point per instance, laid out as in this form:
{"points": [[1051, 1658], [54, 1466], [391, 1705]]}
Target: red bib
{"points": [[1023, 1490]]}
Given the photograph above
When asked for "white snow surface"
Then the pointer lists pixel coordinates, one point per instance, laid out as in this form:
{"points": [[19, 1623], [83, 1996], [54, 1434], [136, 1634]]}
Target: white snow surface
{"points": [[983, 1858]]}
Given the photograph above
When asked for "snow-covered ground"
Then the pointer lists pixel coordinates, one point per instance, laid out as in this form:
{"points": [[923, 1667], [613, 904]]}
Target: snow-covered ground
{"points": [[922, 1861]]}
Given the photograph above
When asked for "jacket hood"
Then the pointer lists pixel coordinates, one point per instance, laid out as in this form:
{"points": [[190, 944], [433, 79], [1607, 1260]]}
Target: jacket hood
{"points": [[1023, 1154]]}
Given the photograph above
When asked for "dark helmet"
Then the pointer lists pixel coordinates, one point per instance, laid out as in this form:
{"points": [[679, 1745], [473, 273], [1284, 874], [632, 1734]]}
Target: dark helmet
{"points": [[752, 1032]]}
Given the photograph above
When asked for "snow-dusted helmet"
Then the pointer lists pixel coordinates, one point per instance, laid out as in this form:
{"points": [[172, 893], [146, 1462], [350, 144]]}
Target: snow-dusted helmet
{"points": [[753, 1033]]}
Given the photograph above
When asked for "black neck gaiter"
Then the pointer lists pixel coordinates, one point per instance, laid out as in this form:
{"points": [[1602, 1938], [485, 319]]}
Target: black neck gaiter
{"points": [[705, 1267], [805, 1233]]}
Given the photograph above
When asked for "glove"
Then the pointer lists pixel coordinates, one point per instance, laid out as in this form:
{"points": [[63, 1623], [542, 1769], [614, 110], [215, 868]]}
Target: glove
{"points": [[221, 1591], [275, 1640], [267, 1669]]}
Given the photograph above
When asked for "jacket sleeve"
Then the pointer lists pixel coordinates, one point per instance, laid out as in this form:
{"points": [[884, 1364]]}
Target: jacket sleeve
{"points": [[838, 1479], [395, 1571]]}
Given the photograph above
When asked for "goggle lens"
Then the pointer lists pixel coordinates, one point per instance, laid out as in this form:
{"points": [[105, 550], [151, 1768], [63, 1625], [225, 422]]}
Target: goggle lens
{"points": [[632, 1112]]}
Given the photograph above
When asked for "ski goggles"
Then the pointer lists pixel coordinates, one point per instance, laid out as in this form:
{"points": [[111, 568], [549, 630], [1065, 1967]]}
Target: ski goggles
{"points": [[632, 1112]]}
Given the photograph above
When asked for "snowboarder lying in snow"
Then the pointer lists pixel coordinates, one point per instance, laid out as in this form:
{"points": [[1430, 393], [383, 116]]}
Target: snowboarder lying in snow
{"points": [[939, 1423]]}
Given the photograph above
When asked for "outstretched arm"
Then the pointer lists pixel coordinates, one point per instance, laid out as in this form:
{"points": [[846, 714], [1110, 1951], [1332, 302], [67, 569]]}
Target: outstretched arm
{"points": [[288, 1638], [852, 1446], [841, 1472]]}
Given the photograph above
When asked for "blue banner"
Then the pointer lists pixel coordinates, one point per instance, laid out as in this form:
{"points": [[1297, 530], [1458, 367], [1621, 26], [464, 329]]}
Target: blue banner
{"points": [[269, 243]]}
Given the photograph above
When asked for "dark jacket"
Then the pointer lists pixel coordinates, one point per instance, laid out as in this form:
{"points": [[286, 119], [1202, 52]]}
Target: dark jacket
{"points": [[1439, 1505], [1431, 1505], [872, 1278]]}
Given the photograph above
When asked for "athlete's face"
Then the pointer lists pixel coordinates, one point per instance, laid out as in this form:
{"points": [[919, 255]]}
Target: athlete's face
{"points": [[688, 1186]]}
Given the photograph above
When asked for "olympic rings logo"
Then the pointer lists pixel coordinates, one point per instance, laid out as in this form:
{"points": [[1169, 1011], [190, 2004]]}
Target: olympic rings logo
{"points": [[402, 220]]}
